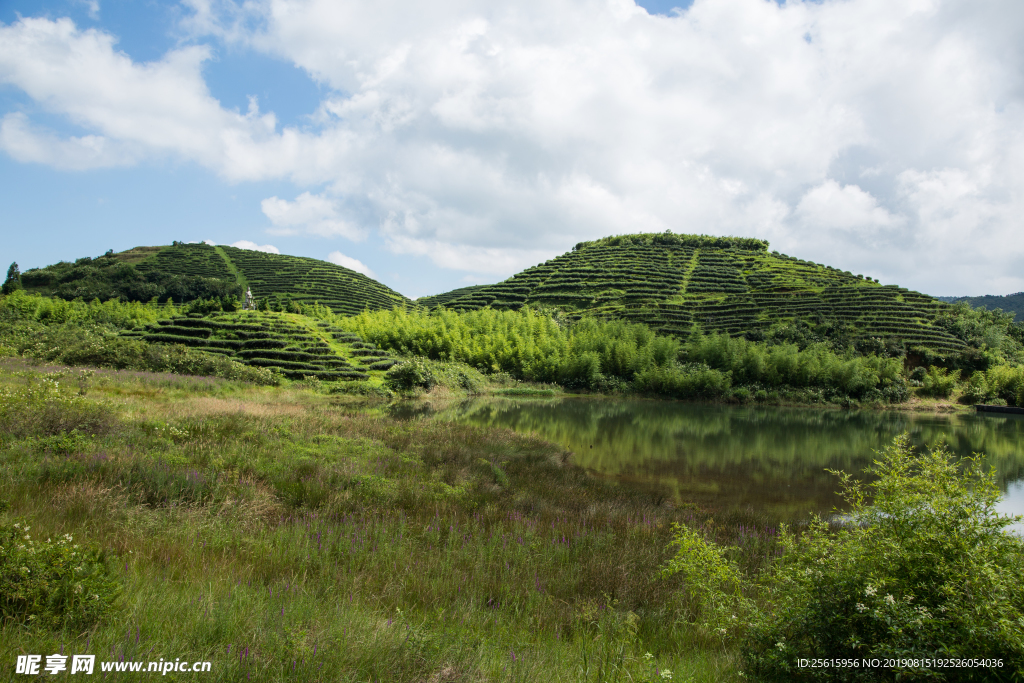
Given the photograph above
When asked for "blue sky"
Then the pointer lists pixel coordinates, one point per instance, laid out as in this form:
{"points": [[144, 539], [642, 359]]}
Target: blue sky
{"points": [[435, 147]]}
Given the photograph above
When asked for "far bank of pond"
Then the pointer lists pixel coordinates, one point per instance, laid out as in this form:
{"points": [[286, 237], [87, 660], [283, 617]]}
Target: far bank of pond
{"points": [[768, 459]]}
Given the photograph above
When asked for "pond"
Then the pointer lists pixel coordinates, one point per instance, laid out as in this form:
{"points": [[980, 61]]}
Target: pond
{"points": [[768, 459]]}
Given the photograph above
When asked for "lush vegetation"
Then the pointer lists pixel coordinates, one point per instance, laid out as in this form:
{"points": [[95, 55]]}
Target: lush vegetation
{"points": [[620, 356], [285, 280], [108, 277], [678, 283], [198, 338], [1010, 303], [543, 346], [924, 569], [284, 537], [445, 298], [185, 272]]}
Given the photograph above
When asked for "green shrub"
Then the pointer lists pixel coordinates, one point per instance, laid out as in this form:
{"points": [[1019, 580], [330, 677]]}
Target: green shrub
{"points": [[927, 569], [693, 380], [1007, 383], [411, 374], [52, 583], [51, 408], [939, 382], [714, 600]]}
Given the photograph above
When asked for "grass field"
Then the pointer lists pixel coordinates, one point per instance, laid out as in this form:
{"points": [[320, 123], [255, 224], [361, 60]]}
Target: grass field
{"points": [[285, 534]]}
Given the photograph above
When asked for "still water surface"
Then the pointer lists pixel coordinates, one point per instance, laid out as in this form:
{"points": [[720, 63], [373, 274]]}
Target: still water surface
{"points": [[768, 459]]}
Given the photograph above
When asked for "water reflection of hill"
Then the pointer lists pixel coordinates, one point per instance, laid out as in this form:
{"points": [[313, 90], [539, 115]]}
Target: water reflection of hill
{"points": [[740, 456]]}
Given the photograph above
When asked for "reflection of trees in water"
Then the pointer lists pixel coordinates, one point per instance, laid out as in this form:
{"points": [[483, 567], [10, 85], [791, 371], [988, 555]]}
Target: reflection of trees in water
{"points": [[741, 453]]}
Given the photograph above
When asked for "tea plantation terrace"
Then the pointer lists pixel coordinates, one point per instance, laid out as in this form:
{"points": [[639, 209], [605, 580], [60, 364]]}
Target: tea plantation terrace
{"points": [[292, 345], [731, 285], [275, 277]]}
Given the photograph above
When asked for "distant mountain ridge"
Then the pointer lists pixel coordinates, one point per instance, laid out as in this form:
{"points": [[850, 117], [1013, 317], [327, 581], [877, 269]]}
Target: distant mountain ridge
{"points": [[1008, 303], [677, 283]]}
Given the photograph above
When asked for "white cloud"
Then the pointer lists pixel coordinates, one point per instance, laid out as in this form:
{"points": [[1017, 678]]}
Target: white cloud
{"points": [[487, 135], [494, 262], [309, 213], [161, 107], [26, 143], [849, 209], [252, 246], [339, 259]]}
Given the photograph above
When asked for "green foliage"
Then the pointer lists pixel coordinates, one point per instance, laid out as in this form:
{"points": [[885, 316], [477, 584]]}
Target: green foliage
{"points": [[1000, 383], [212, 279], [13, 281], [787, 365], [597, 354], [991, 337], [939, 382], [111, 277], [51, 406], [1010, 303], [199, 337], [98, 345], [725, 285], [691, 241], [924, 568], [715, 602], [308, 286], [693, 380], [22, 306], [408, 375], [52, 583]]}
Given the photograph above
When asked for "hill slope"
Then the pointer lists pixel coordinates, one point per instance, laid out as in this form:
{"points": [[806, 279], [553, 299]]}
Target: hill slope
{"points": [[293, 345], [732, 285], [184, 272], [1010, 303]]}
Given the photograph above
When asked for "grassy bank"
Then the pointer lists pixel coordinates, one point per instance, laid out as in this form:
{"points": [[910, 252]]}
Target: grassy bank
{"points": [[282, 534]]}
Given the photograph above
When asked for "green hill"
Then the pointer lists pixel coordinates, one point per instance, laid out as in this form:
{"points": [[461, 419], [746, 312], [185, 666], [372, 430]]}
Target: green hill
{"points": [[732, 285], [184, 272], [1011, 303], [445, 298]]}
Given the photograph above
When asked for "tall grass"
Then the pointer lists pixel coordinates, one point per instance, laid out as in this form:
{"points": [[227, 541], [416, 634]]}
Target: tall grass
{"points": [[307, 541]]}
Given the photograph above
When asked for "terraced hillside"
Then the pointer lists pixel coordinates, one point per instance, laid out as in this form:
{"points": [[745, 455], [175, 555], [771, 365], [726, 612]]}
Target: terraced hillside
{"points": [[184, 259], [733, 285], [445, 298], [275, 277], [292, 345]]}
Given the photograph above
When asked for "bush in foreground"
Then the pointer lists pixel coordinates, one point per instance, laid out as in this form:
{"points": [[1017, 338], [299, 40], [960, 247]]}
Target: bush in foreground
{"points": [[52, 583], [927, 570]]}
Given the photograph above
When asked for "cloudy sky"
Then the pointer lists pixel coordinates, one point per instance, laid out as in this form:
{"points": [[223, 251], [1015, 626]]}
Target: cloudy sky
{"points": [[435, 145]]}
